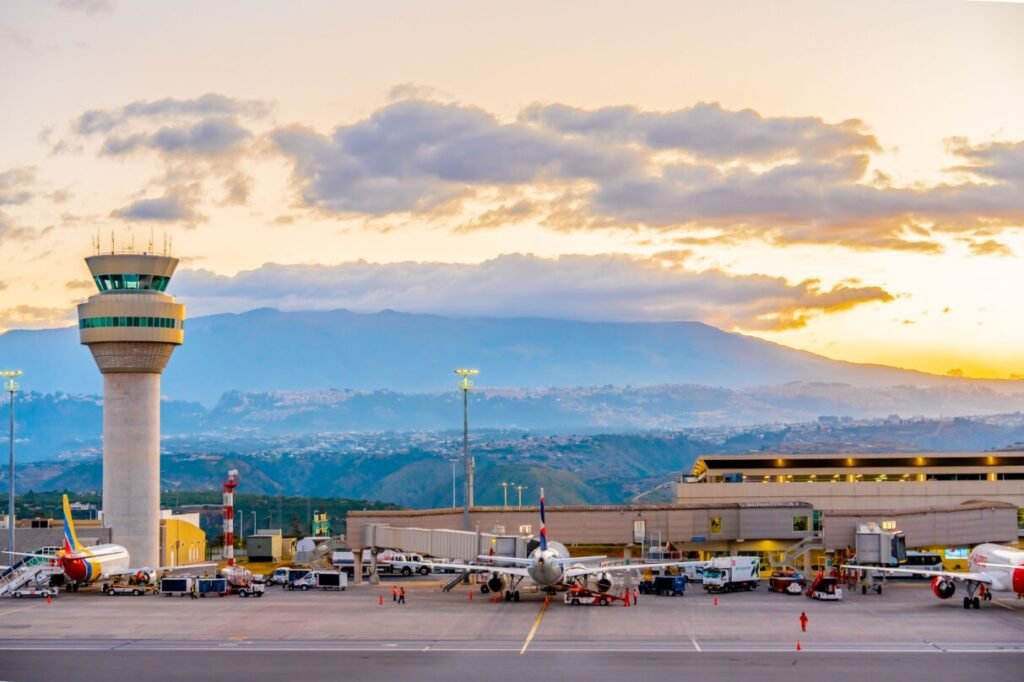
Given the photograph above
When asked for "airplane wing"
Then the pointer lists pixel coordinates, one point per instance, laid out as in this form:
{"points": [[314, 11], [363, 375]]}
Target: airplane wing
{"points": [[617, 568], [950, 575], [477, 568], [516, 561], [162, 569], [580, 559]]}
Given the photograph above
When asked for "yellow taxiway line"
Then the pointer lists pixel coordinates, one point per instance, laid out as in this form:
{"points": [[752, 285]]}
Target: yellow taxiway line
{"points": [[533, 630]]}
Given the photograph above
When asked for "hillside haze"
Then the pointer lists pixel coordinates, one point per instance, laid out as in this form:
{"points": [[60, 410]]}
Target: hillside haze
{"points": [[266, 350]]}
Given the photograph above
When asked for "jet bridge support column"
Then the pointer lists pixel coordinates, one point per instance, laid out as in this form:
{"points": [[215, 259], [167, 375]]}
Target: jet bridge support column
{"points": [[357, 566]]}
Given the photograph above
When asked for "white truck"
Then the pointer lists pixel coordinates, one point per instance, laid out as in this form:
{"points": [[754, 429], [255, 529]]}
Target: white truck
{"points": [[388, 563], [732, 573], [323, 580]]}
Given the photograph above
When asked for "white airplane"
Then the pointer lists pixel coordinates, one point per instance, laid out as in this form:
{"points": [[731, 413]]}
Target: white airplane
{"points": [[83, 565], [549, 566], [992, 568]]}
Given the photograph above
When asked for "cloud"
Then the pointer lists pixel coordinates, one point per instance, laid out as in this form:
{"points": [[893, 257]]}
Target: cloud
{"points": [[168, 208], [204, 106], [989, 247], [610, 287], [995, 161], [784, 179], [208, 137], [17, 186], [416, 155], [21, 315], [708, 130]]}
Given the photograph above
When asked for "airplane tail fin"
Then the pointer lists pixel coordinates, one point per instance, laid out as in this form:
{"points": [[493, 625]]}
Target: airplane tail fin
{"points": [[543, 523], [71, 543]]}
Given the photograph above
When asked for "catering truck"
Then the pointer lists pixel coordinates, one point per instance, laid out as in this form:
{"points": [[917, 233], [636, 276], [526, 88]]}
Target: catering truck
{"points": [[732, 573]]}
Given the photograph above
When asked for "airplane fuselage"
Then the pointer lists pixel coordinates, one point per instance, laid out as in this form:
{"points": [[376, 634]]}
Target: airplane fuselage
{"points": [[90, 565], [1003, 579], [545, 570]]}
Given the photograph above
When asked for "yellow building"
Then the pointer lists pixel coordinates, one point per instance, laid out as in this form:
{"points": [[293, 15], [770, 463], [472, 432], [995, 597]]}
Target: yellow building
{"points": [[182, 541]]}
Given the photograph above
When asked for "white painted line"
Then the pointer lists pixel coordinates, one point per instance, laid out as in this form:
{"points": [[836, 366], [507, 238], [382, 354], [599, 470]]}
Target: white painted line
{"points": [[695, 645]]}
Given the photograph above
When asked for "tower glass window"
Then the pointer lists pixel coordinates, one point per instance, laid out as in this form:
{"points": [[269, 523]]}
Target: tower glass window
{"points": [[131, 282]]}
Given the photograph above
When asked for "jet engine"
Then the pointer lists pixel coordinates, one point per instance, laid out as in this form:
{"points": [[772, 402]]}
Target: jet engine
{"points": [[496, 583], [942, 587], [1017, 580], [604, 583]]}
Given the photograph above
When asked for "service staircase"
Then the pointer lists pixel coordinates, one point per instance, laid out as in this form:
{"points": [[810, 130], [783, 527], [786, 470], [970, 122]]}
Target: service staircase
{"points": [[322, 554], [796, 552], [30, 570]]}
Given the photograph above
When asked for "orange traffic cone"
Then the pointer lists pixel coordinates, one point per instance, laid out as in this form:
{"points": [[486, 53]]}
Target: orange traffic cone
{"points": [[471, 595], [716, 601], [798, 647], [380, 600], [49, 599], [547, 598]]}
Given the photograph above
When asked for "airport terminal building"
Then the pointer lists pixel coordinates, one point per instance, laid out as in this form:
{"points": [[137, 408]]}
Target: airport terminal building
{"points": [[796, 509]]}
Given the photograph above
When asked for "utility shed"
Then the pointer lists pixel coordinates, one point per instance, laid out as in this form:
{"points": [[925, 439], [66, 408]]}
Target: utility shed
{"points": [[264, 546]]}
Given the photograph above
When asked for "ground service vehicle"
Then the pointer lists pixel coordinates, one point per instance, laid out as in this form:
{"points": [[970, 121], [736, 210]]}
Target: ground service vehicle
{"points": [[344, 560], [113, 589], [783, 580], [286, 574], [324, 580], [34, 591], [732, 573], [407, 564], [664, 585], [176, 586], [256, 587], [577, 595], [212, 586], [825, 589]]}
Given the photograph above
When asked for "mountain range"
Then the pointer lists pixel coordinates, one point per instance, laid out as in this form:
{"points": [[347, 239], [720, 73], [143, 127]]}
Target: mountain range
{"points": [[269, 350]]}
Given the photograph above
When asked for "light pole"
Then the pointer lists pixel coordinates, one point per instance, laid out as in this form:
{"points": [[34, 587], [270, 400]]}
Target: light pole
{"points": [[465, 385], [520, 489], [11, 387], [454, 461], [505, 485]]}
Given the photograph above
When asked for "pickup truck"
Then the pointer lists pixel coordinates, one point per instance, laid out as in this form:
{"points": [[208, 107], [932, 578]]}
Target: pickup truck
{"points": [[407, 564]]}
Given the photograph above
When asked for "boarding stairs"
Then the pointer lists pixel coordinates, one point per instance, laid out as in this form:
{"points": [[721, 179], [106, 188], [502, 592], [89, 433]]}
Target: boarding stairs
{"points": [[323, 552], [797, 551], [30, 570]]}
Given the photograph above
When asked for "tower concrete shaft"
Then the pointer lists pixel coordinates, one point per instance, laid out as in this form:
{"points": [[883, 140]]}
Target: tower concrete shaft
{"points": [[132, 327]]}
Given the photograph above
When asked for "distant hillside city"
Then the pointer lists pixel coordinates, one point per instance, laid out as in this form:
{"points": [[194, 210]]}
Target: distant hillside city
{"points": [[345, 405]]}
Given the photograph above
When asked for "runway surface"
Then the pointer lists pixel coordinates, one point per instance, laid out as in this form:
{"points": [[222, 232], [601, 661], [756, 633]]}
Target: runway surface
{"points": [[320, 663], [905, 635]]}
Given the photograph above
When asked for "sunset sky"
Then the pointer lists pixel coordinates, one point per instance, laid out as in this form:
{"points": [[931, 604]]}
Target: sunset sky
{"points": [[846, 178]]}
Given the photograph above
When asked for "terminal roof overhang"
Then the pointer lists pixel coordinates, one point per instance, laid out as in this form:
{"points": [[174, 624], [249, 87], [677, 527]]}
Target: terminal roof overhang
{"points": [[923, 461]]}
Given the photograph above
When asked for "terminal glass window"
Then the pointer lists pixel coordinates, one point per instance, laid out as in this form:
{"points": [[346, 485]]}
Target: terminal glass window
{"points": [[1020, 519], [817, 520], [716, 525], [800, 523]]}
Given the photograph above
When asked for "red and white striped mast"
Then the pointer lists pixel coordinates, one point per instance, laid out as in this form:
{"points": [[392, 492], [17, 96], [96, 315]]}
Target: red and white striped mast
{"points": [[229, 516]]}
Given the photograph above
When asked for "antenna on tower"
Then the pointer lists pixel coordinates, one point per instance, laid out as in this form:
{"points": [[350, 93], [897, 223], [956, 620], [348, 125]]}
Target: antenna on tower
{"points": [[113, 244], [150, 248], [131, 242]]}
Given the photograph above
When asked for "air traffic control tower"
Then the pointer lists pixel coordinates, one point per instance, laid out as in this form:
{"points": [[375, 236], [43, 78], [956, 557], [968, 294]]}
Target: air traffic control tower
{"points": [[131, 327]]}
